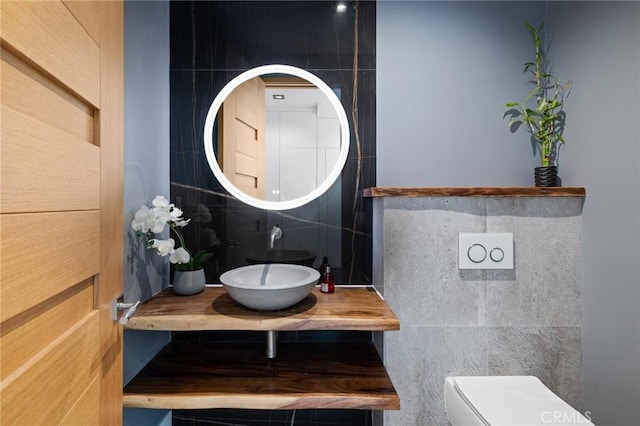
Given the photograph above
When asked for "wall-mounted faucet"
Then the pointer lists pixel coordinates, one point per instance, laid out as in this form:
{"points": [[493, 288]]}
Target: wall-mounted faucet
{"points": [[276, 233]]}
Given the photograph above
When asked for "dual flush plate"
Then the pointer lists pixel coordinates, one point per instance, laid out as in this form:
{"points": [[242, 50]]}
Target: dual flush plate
{"points": [[485, 250]]}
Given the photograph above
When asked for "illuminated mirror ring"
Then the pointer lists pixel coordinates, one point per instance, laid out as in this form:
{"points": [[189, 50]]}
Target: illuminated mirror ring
{"points": [[217, 104]]}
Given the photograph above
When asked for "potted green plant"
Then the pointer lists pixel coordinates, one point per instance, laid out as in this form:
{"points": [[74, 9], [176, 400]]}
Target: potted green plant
{"points": [[541, 111]]}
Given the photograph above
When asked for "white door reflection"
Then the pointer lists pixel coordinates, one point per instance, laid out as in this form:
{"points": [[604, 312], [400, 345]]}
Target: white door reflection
{"points": [[302, 141], [302, 146]]}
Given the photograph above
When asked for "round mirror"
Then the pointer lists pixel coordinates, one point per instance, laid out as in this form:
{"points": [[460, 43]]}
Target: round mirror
{"points": [[276, 137]]}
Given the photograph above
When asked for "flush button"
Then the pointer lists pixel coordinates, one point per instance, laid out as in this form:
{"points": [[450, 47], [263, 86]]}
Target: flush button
{"points": [[485, 250], [496, 254], [477, 253]]}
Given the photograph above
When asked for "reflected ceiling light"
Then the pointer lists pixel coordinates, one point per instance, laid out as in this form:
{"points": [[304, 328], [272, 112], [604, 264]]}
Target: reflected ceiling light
{"points": [[341, 8], [278, 97]]}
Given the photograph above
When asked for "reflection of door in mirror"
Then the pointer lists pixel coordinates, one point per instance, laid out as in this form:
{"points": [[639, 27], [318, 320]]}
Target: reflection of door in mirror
{"points": [[302, 159], [302, 139], [241, 149]]}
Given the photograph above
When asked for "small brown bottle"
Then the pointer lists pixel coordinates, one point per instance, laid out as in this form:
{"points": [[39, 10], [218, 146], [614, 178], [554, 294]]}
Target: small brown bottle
{"points": [[327, 282]]}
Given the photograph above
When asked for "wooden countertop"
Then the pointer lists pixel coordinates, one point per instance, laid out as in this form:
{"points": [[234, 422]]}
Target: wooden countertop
{"points": [[349, 308], [476, 192], [238, 375]]}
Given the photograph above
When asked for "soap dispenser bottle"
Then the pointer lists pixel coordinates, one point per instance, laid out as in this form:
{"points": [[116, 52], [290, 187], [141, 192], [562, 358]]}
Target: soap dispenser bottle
{"points": [[327, 282]]}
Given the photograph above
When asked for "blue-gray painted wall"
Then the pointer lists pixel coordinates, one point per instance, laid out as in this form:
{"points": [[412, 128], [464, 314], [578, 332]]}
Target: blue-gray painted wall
{"points": [[444, 71], [598, 44], [146, 165]]}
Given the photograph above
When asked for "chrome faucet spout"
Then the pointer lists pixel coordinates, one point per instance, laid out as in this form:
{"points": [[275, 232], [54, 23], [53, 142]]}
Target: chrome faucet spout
{"points": [[276, 233]]}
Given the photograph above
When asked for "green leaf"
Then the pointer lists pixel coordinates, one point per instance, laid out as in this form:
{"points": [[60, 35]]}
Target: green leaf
{"points": [[200, 253], [530, 27], [198, 261], [531, 93], [183, 267], [541, 105]]}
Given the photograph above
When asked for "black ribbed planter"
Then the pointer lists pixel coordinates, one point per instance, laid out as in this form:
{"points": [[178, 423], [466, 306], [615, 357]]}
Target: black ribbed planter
{"points": [[546, 176]]}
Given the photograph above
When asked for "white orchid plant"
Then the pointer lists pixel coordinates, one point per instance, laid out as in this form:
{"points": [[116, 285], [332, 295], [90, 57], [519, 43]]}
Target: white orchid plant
{"points": [[152, 219]]}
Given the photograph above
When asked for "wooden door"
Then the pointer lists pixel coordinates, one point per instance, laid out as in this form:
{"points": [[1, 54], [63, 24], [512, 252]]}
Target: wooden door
{"points": [[61, 228], [241, 138]]}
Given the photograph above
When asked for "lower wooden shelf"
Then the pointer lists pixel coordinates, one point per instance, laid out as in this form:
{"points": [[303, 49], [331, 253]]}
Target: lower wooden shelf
{"points": [[238, 375]]}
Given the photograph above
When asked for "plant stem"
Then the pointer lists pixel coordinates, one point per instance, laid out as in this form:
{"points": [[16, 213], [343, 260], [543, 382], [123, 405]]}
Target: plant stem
{"points": [[176, 231], [178, 234]]}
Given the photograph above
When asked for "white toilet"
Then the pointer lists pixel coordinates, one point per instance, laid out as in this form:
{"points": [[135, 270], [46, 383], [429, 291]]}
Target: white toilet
{"points": [[506, 401]]}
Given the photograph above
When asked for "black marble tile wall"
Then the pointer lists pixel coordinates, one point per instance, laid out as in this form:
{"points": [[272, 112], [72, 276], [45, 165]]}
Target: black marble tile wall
{"points": [[214, 41], [272, 418], [327, 336], [211, 43]]}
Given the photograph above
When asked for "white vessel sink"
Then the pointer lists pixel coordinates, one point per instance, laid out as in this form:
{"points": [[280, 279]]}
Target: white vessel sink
{"points": [[269, 287]]}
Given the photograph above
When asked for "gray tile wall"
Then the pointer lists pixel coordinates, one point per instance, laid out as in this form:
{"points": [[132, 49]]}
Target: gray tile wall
{"points": [[525, 321]]}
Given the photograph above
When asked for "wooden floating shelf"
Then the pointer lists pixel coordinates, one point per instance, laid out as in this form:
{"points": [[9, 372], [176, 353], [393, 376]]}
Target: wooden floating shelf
{"points": [[238, 375], [476, 192], [349, 308]]}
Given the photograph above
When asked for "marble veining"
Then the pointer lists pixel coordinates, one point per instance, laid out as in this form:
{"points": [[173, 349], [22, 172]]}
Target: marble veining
{"points": [[212, 42]]}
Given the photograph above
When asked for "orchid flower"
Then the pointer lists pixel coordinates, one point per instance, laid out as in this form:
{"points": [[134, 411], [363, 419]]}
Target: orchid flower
{"points": [[179, 256], [160, 201], [181, 223], [140, 221], [164, 247], [153, 219]]}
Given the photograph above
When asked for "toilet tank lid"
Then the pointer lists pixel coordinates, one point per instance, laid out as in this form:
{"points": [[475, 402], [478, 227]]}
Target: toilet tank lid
{"points": [[515, 400]]}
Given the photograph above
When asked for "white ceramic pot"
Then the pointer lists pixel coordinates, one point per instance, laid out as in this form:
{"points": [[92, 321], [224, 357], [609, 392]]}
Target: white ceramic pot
{"points": [[186, 283]]}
